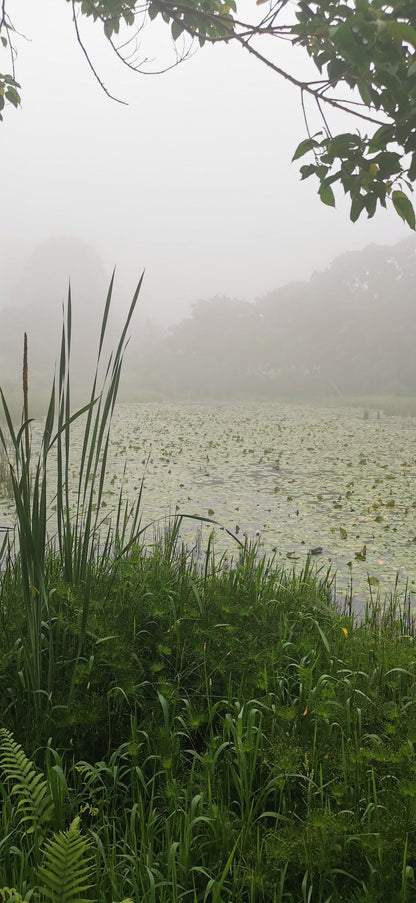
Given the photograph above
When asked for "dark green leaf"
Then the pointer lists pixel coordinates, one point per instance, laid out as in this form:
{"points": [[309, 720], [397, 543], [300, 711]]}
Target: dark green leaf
{"points": [[381, 138], [371, 204], [306, 145], [176, 29], [357, 207], [13, 97], [327, 195], [402, 31], [404, 208], [388, 162], [412, 168], [364, 91], [307, 170]]}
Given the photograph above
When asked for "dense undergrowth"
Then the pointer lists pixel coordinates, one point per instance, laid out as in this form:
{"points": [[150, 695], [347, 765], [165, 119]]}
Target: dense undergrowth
{"points": [[231, 736], [172, 730]]}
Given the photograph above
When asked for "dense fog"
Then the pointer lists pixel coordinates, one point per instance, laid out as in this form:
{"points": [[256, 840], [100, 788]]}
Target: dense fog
{"points": [[347, 331], [191, 181]]}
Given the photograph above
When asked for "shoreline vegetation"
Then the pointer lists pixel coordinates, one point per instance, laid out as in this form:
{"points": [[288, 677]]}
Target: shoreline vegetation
{"points": [[171, 732], [369, 405]]}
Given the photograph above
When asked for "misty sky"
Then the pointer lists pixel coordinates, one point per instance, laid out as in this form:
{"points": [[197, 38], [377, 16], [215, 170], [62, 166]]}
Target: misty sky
{"points": [[192, 180]]}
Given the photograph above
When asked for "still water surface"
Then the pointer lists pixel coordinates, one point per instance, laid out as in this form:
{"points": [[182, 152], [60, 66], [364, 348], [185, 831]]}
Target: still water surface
{"points": [[293, 477]]}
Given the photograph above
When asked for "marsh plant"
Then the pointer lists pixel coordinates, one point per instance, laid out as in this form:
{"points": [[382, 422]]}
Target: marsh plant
{"points": [[83, 541], [231, 737], [6, 487]]}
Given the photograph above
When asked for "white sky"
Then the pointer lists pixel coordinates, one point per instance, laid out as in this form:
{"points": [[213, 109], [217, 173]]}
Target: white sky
{"points": [[192, 180]]}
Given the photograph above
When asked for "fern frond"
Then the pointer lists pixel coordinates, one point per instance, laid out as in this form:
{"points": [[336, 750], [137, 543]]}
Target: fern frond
{"points": [[67, 869], [34, 804], [10, 895]]}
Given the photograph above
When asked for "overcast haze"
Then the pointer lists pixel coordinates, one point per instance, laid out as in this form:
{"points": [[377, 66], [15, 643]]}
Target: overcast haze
{"points": [[192, 180]]}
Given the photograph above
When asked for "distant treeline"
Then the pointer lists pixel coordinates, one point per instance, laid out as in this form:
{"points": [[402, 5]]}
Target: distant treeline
{"points": [[350, 330]]}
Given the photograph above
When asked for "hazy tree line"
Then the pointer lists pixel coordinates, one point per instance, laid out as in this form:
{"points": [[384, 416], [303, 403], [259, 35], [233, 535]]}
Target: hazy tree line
{"points": [[349, 330]]}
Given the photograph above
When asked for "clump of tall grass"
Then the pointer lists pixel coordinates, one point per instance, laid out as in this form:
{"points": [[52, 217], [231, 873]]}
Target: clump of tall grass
{"points": [[83, 541]]}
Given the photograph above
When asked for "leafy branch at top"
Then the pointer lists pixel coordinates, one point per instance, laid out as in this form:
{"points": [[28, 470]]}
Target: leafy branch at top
{"points": [[9, 87], [365, 54]]}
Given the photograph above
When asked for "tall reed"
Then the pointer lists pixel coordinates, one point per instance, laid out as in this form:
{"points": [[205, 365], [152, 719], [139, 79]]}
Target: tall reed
{"points": [[80, 529]]}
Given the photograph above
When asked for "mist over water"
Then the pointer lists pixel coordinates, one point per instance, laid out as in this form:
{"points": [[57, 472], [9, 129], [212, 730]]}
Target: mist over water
{"points": [[347, 332]]}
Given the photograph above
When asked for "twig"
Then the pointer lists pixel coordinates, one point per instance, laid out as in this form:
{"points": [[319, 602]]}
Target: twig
{"points": [[304, 86], [85, 52]]}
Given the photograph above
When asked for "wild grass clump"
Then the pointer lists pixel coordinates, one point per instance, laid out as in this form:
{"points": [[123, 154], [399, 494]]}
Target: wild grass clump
{"points": [[171, 732], [230, 736], [82, 541]]}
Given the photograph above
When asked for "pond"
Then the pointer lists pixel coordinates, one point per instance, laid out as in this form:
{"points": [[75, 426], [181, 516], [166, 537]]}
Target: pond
{"points": [[292, 478]]}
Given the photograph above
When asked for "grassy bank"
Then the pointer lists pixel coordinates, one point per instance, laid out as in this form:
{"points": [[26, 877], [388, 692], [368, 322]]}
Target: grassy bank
{"points": [[176, 731], [230, 736]]}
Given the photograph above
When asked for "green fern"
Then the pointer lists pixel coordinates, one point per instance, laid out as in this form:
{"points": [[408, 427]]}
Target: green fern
{"points": [[67, 868], [34, 806], [10, 895]]}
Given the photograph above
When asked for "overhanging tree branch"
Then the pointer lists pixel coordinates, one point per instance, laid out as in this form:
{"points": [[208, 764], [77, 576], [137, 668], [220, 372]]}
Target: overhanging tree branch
{"points": [[366, 47], [87, 57]]}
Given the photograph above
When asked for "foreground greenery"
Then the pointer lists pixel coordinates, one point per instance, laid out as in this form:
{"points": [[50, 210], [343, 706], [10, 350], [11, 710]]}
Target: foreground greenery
{"points": [[231, 737], [178, 729]]}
